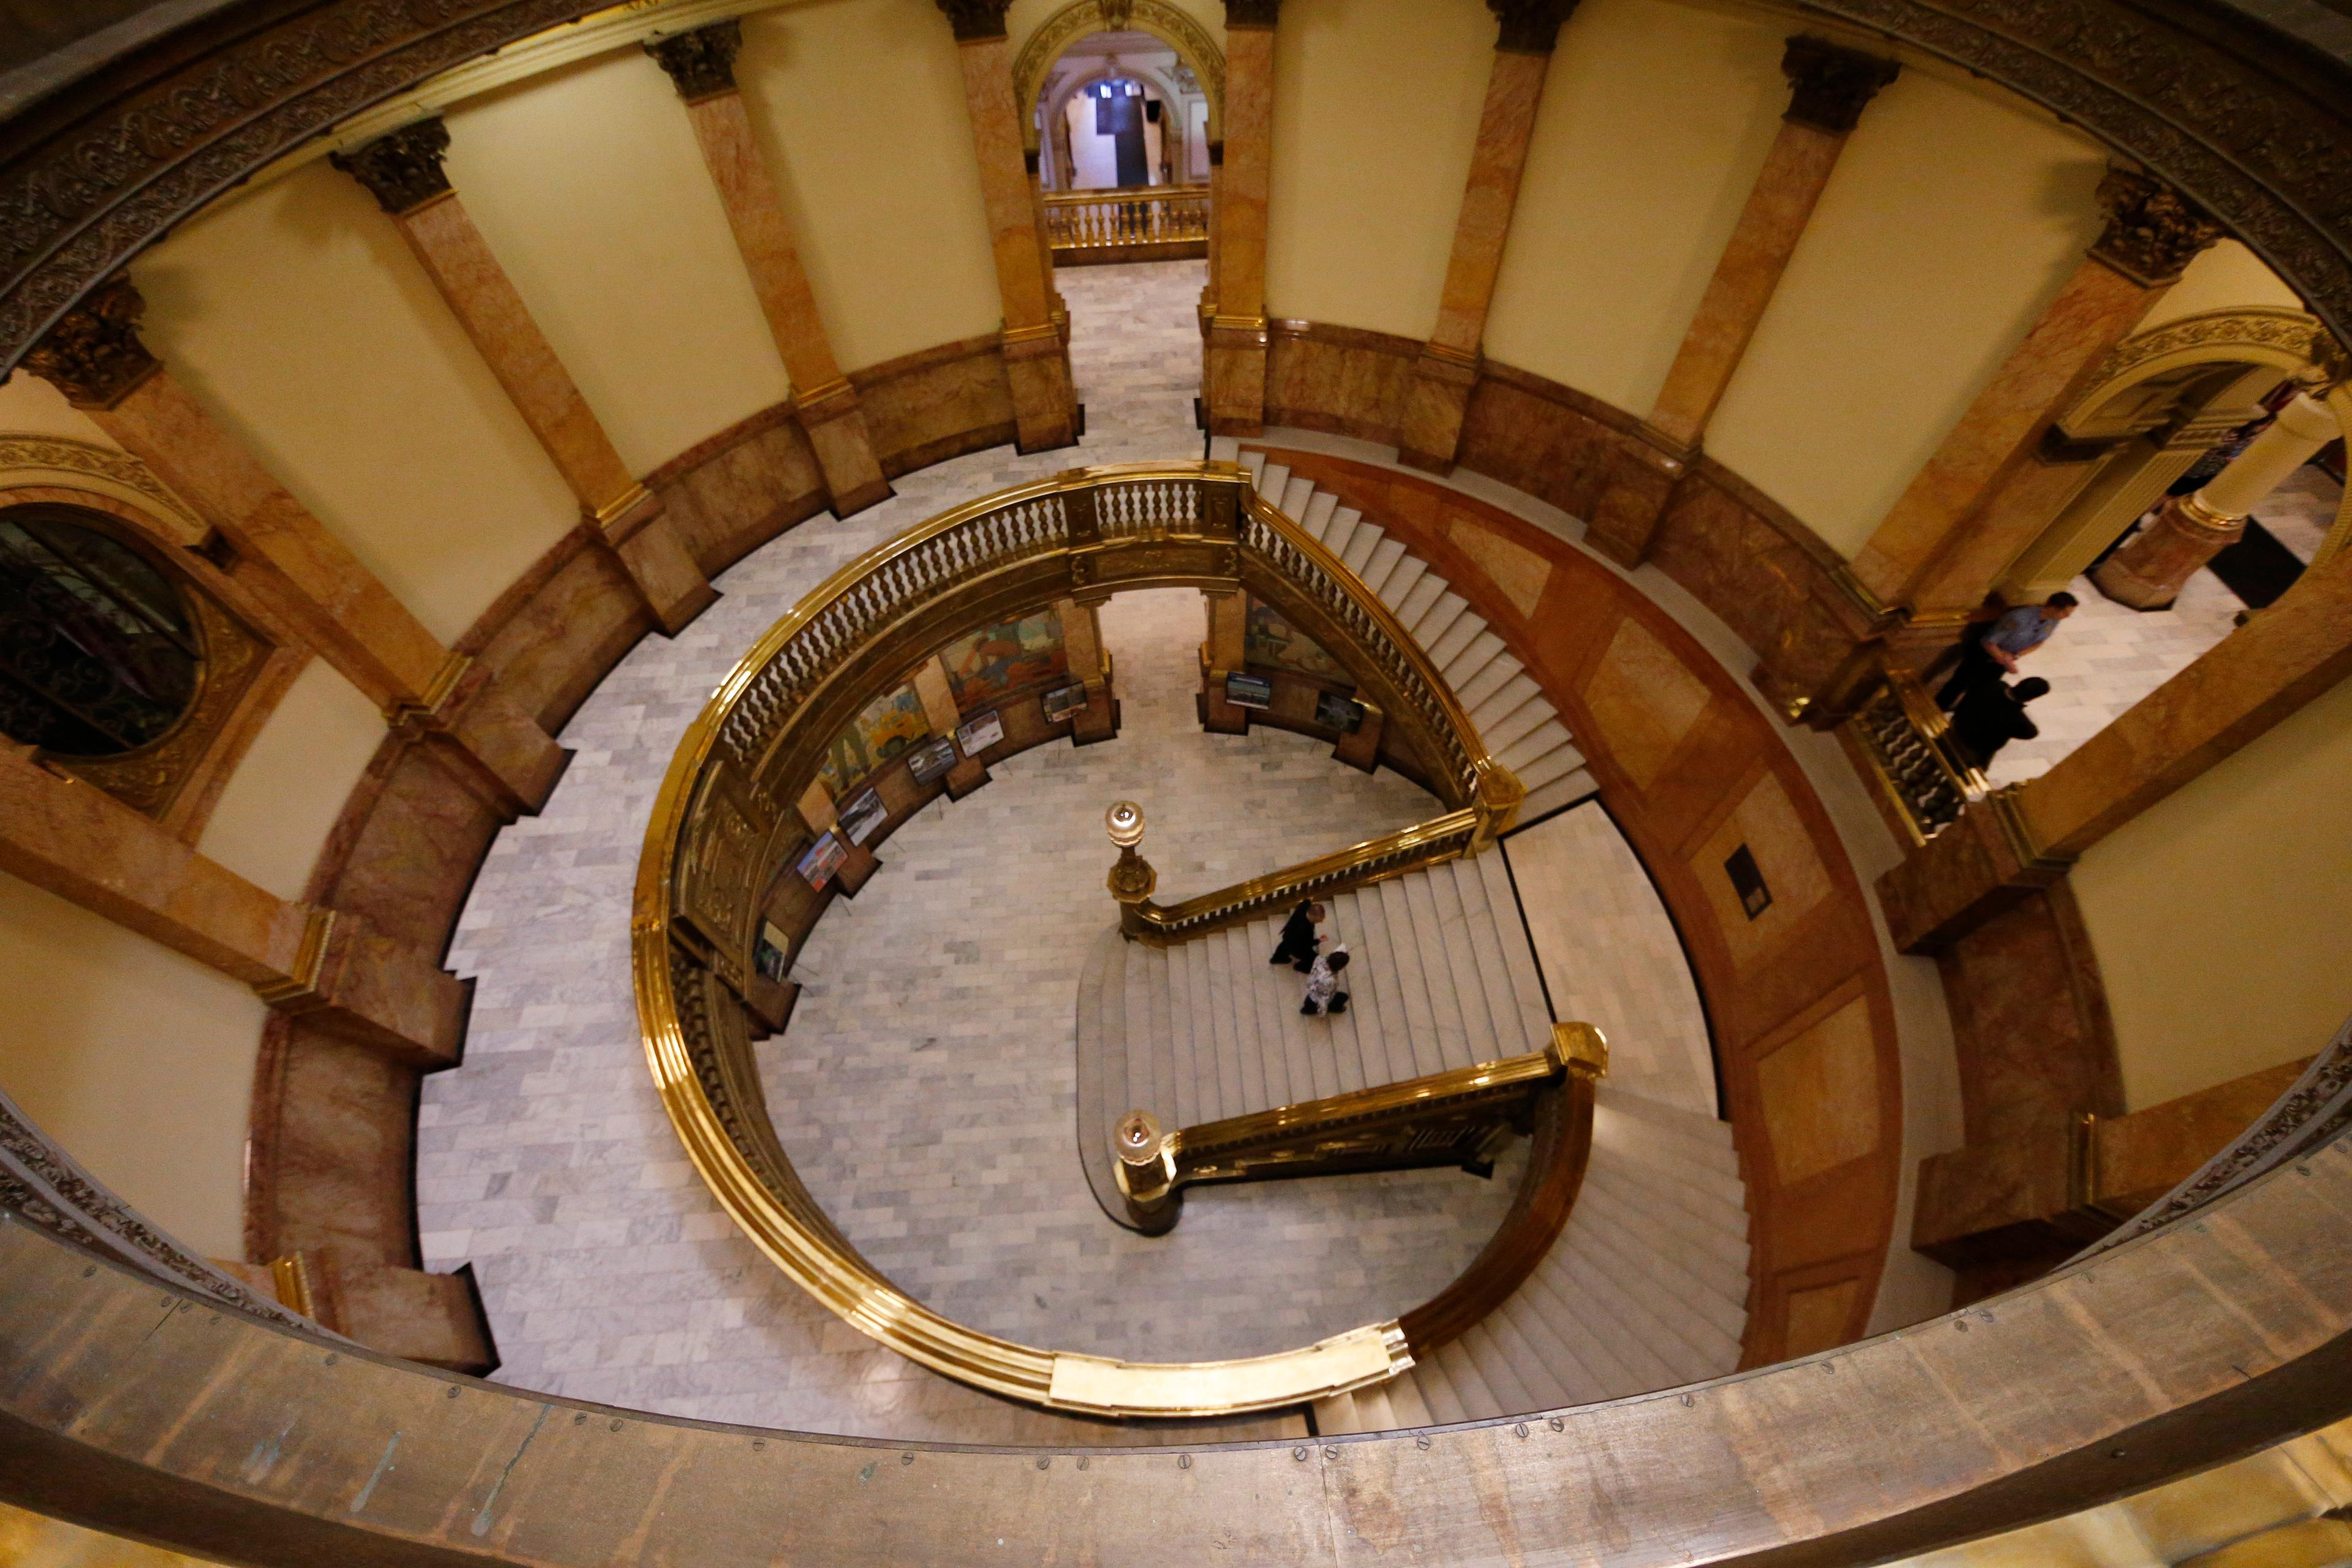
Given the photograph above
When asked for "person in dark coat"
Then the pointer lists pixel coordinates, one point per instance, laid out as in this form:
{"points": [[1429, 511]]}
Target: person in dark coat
{"points": [[1990, 651], [1991, 715], [1299, 942]]}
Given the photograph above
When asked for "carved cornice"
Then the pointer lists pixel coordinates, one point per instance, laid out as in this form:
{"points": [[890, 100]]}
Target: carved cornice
{"points": [[701, 63], [1171, 25], [37, 459], [2153, 232], [94, 355], [1530, 26], [401, 171], [2256, 335], [975, 21], [1831, 85], [1251, 12]]}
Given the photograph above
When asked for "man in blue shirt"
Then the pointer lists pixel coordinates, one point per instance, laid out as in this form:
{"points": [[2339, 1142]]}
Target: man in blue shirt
{"points": [[1989, 651]]}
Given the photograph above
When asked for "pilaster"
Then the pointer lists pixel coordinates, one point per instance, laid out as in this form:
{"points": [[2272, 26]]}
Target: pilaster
{"points": [[1224, 651], [1233, 378], [701, 65], [403, 171], [1830, 86], [316, 585], [1082, 647], [1044, 407], [1448, 368], [938, 698]]}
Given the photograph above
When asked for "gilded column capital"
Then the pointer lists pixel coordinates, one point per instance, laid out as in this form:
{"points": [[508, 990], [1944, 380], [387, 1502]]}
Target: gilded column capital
{"points": [[1530, 26], [403, 170], [2153, 231], [1831, 85], [701, 64], [976, 21], [93, 354], [1251, 13]]}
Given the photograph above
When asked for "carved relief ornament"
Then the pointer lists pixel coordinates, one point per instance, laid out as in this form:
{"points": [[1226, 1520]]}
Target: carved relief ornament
{"points": [[701, 63], [2153, 232], [93, 355], [975, 21], [1830, 85], [401, 171], [1530, 26], [59, 460]]}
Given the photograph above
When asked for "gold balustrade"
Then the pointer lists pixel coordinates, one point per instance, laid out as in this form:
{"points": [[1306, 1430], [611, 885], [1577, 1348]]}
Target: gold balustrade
{"points": [[723, 823], [1162, 223], [1913, 758]]}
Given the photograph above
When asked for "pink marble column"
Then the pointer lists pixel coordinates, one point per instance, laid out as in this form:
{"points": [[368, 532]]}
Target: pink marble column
{"points": [[2149, 573], [1829, 88], [1978, 502], [1045, 410], [403, 170], [340, 608], [1082, 645], [1234, 373], [1448, 367], [701, 64]]}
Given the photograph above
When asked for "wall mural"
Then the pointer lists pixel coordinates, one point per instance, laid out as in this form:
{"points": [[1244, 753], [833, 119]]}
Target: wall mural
{"points": [[883, 728], [991, 663], [1270, 639]]}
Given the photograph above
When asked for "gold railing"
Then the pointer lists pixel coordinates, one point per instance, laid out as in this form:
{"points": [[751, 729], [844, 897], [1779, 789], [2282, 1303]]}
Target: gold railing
{"points": [[1458, 1117], [723, 823], [1913, 758], [1168, 219]]}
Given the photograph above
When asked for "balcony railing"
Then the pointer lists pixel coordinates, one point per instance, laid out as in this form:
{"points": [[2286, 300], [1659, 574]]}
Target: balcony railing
{"points": [[1922, 773], [723, 823], [1165, 223]]}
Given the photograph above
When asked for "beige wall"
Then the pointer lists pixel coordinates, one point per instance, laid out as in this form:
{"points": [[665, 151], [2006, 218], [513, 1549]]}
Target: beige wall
{"points": [[299, 317], [278, 809], [138, 1061], [31, 407], [589, 187], [1375, 115], [2225, 276], [2218, 917], [859, 107], [1654, 119], [1953, 218]]}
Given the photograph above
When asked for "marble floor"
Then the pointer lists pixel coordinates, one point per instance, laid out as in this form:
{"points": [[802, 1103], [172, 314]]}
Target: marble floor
{"points": [[2106, 656]]}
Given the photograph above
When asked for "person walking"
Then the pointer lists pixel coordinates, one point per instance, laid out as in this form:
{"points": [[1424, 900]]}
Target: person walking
{"points": [[1992, 714], [1299, 940], [1324, 997], [1989, 652]]}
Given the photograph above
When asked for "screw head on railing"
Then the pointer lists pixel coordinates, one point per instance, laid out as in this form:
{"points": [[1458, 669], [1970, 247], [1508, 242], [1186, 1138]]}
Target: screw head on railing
{"points": [[1124, 822]]}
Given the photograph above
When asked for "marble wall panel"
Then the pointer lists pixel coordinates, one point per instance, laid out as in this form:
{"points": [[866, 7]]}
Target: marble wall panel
{"points": [[1828, 1062], [552, 636], [729, 495], [924, 408], [1340, 380], [1646, 699]]}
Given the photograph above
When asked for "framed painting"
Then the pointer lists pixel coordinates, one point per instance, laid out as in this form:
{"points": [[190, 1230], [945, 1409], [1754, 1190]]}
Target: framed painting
{"points": [[989, 664], [1268, 638], [883, 729]]}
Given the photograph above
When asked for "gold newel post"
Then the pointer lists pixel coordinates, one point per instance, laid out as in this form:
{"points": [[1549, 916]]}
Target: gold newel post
{"points": [[1132, 879], [1146, 1171]]}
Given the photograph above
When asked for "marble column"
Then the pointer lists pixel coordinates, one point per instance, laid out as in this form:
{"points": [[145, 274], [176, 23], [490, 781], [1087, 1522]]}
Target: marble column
{"points": [[1044, 408], [1224, 651], [938, 698], [1987, 492], [701, 65], [2148, 573], [1830, 87], [81, 844], [316, 585], [403, 170], [1059, 306], [1233, 378], [1448, 366], [1082, 647]]}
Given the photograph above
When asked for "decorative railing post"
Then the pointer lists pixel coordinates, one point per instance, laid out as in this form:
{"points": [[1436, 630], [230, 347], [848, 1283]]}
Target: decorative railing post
{"points": [[1132, 879], [1145, 1169]]}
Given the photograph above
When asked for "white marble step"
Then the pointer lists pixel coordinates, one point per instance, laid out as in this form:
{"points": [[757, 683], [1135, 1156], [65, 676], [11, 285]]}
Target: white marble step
{"points": [[1564, 791]]}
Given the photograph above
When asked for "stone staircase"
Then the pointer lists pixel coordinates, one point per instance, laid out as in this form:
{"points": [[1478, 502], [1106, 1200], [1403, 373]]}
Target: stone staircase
{"points": [[1505, 706]]}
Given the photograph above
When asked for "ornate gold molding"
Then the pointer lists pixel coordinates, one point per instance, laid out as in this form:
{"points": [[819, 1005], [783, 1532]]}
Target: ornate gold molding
{"points": [[60, 460], [1169, 25], [2293, 340]]}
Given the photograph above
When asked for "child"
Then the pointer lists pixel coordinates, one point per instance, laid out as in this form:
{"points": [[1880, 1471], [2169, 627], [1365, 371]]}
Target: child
{"points": [[1323, 993]]}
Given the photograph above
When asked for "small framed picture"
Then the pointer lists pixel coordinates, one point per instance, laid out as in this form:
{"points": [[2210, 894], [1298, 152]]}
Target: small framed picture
{"points": [[821, 860], [1061, 703], [928, 759], [767, 952], [977, 735], [1249, 691], [1344, 714], [862, 815]]}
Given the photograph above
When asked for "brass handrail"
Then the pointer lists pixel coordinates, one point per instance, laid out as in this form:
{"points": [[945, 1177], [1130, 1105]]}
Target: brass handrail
{"points": [[1430, 843], [1913, 758], [721, 823], [1175, 216]]}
